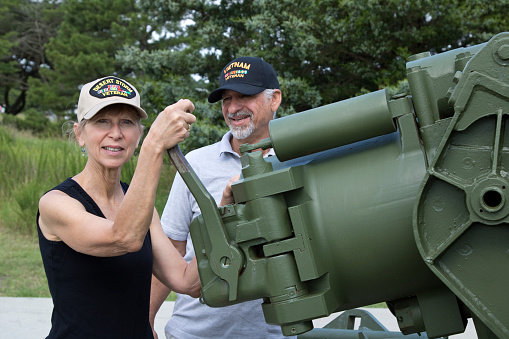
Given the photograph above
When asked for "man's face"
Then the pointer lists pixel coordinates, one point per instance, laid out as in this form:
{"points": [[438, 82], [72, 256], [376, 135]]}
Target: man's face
{"points": [[248, 116]]}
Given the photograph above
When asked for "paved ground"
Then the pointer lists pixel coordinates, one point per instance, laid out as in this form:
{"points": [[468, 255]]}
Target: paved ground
{"points": [[29, 318]]}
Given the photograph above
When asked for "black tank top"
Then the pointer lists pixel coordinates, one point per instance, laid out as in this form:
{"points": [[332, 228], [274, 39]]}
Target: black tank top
{"points": [[96, 297]]}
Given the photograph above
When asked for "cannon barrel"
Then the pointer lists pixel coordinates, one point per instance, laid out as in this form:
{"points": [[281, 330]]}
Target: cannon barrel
{"points": [[403, 200], [331, 126]]}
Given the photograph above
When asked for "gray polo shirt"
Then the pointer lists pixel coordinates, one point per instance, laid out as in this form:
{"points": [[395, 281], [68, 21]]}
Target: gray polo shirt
{"points": [[215, 165]]}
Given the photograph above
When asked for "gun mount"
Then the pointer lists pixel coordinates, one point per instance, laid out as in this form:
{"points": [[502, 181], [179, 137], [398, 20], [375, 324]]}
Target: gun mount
{"points": [[403, 200]]}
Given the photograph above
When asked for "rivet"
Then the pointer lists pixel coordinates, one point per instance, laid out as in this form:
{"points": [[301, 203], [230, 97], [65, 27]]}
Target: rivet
{"points": [[503, 52]]}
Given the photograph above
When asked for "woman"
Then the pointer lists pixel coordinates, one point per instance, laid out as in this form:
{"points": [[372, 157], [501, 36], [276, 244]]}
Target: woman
{"points": [[99, 241]]}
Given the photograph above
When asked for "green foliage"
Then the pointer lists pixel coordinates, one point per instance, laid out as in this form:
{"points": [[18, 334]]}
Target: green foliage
{"points": [[84, 49], [30, 167], [295, 90], [33, 121], [323, 50], [25, 27]]}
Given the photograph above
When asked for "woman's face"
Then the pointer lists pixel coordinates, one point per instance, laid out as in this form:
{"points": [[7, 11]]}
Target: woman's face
{"points": [[111, 136]]}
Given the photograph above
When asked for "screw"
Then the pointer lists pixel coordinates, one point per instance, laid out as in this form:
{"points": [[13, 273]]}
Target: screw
{"points": [[225, 262]]}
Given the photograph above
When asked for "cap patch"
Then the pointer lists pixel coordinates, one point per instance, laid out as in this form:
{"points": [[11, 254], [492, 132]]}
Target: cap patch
{"points": [[240, 73], [110, 87], [235, 74]]}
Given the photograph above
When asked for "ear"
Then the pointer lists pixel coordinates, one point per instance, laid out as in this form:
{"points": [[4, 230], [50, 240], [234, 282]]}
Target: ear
{"points": [[79, 137], [276, 100]]}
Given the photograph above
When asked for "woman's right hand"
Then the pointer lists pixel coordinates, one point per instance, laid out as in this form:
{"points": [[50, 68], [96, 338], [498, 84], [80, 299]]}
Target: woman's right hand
{"points": [[172, 125]]}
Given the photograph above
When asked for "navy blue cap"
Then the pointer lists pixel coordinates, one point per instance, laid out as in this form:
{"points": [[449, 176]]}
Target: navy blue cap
{"points": [[246, 75]]}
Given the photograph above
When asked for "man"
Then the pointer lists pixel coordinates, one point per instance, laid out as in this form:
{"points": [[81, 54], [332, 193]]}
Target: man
{"points": [[250, 96]]}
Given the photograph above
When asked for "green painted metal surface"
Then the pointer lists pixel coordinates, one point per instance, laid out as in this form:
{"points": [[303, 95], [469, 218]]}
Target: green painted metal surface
{"points": [[462, 213], [333, 125], [403, 200]]}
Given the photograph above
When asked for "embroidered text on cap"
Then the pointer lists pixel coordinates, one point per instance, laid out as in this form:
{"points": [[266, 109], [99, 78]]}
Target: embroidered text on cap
{"points": [[112, 86]]}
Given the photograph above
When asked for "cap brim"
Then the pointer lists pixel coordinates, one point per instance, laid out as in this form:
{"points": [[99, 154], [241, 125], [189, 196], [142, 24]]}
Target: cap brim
{"points": [[97, 108], [246, 89]]}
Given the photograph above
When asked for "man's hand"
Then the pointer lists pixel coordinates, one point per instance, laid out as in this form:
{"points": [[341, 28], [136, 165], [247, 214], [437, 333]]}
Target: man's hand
{"points": [[227, 198]]}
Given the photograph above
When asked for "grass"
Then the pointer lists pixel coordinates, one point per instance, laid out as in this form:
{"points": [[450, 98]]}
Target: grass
{"points": [[21, 270]]}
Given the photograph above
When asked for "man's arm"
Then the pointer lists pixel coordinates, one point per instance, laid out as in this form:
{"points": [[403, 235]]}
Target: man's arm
{"points": [[158, 291]]}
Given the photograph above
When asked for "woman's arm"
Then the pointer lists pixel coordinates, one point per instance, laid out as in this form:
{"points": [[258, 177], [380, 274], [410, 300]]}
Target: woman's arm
{"points": [[169, 265]]}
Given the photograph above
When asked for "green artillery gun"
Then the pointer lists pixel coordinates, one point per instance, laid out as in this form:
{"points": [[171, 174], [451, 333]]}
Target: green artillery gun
{"points": [[401, 199]]}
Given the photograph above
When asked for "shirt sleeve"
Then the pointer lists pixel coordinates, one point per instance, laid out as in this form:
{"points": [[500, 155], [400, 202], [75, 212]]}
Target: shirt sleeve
{"points": [[177, 213]]}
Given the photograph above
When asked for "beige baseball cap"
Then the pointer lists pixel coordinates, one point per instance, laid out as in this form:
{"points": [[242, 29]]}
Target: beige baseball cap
{"points": [[103, 92]]}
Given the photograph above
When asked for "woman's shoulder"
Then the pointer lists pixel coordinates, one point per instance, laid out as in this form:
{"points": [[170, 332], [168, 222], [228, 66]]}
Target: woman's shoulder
{"points": [[56, 208], [58, 195], [55, 199]]}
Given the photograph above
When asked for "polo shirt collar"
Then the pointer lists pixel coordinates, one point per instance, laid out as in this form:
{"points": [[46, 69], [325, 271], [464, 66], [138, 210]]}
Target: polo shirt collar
{"points": [[226, 147]]}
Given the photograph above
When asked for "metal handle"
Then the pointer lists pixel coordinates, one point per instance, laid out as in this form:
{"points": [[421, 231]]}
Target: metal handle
{"points": [[227, 258]]}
